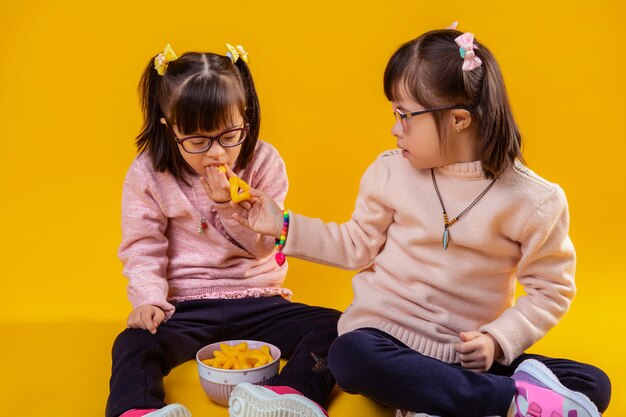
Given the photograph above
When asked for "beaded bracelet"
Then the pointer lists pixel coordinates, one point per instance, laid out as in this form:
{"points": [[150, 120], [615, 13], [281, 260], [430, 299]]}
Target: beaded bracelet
{"points": [[280, 242]]}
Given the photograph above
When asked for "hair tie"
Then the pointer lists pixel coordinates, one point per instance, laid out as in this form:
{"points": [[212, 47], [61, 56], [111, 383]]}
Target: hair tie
{"points": [[164, 58], [453, 25], [466, 49], [236, 52]]}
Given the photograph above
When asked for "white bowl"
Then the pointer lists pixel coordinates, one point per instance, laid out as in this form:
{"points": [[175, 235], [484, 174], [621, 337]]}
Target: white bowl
{"points": [[219, 383]]}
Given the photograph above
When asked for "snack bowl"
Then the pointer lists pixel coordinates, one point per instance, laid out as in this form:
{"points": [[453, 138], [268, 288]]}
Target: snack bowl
{"points": [[218, 383]]}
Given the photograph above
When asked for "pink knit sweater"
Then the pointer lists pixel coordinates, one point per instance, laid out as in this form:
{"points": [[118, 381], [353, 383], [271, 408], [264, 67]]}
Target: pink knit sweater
{"points": [[166, 260], [424, 296]]}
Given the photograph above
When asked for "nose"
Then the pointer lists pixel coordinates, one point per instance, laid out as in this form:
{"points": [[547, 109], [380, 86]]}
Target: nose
{"points": [[396, 129], [215, 151]]}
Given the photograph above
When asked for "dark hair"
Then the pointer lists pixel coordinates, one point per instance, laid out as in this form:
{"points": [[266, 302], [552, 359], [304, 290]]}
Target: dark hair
{"points": [[197, 92], [429, 69]]}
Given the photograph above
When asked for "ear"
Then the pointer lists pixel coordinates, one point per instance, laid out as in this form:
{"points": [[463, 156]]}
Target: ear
{"points": [[461, 119], [163, 121]]}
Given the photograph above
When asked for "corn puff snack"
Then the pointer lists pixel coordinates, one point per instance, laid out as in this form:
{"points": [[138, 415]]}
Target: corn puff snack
{"points": [[239, 357], [235, 184]]}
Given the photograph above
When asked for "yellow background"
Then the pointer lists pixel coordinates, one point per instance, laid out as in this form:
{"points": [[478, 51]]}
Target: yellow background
{"points": [[69, 113]]}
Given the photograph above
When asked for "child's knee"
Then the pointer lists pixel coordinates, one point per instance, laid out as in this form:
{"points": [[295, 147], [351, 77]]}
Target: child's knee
{"points": [[601, 388], [346, 360]]}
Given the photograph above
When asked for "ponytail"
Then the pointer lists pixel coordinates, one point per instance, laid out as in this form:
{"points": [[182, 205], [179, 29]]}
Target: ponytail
{"points": [[154, 139], [500, 138], [253, 114]]}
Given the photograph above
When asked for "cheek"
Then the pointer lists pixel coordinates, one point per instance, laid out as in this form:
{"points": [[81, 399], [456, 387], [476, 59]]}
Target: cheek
{"points": [[429, 137], [232, 155], [194, 161], [423, 144]]}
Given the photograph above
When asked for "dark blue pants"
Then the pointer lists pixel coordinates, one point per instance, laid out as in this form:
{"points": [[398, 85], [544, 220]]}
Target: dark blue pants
{"points": [[141, 359], [374, 364]]}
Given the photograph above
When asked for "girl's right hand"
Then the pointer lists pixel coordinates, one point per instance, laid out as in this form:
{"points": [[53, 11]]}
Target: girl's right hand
{"points": [[260, 214], [146, 317]]}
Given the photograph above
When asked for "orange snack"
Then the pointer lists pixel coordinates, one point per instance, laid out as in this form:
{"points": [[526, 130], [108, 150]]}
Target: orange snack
{"points": [[239, 357], [235, 184]]}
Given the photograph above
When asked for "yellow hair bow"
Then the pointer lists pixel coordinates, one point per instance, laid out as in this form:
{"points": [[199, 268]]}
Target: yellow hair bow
{"points": [[236, 52], [162, 59]]}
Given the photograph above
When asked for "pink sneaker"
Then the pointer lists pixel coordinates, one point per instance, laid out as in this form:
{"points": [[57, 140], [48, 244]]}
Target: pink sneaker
{"points": [[268, 401], [540, 394], [172, 410]]}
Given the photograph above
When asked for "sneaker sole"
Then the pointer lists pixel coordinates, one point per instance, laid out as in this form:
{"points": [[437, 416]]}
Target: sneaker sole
{"points": [[543, 374], [172, 410], [252, 401]]}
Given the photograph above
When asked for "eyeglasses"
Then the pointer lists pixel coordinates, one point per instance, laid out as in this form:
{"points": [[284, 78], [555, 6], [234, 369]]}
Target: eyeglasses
{"points": [[200, 143], [402, 117]]}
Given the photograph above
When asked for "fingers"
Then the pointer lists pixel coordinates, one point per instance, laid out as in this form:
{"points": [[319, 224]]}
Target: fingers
{"points": [[213, 176], [215, 184], [241, 208], [474, 353], [239, 213], [465, 347], [134, 319], [245, 205], [148, 322], [257, 193], [475, 366], [229, 172], [473, 361], [467, 336], [147, 317]]}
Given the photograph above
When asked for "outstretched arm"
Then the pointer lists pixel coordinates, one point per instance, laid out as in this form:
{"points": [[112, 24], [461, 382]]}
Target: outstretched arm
{"points": [[350, 245]]}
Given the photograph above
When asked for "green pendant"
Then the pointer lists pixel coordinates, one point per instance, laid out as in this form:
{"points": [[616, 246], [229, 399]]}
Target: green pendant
{"points": [[446, 238]]}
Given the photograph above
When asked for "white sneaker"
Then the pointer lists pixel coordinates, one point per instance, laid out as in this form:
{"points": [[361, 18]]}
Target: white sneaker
{"points": [[402, 413], [172, 410], [258, 401]]}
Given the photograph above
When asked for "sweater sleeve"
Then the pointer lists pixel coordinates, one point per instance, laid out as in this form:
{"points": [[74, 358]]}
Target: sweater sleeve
{"points": [[271, 177], [546, 271], [350, 245], [143, 250]]}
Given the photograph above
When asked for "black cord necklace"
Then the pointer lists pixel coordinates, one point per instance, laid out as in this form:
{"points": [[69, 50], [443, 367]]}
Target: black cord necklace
{"points": [[447, 223]]}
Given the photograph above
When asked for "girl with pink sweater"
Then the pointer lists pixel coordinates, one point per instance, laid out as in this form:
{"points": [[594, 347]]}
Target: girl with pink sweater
{"points": [[196, 276], [442, 229]]}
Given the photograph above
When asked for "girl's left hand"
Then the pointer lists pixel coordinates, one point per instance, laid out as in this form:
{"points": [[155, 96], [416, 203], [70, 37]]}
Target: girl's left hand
{"points": [[216, 184], [477, 351]]}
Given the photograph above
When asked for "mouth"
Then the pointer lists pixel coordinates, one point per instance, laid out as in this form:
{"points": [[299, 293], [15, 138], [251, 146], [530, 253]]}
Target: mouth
{"points": [[405, 153], [214, 164]]}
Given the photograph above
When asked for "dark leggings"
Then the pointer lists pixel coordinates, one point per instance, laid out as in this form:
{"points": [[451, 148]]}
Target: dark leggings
{"points": [[141, 359], [376, 365]]}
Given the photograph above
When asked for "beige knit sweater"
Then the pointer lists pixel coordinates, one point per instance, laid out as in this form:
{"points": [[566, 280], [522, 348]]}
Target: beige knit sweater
{"points": [[409, 287]]}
